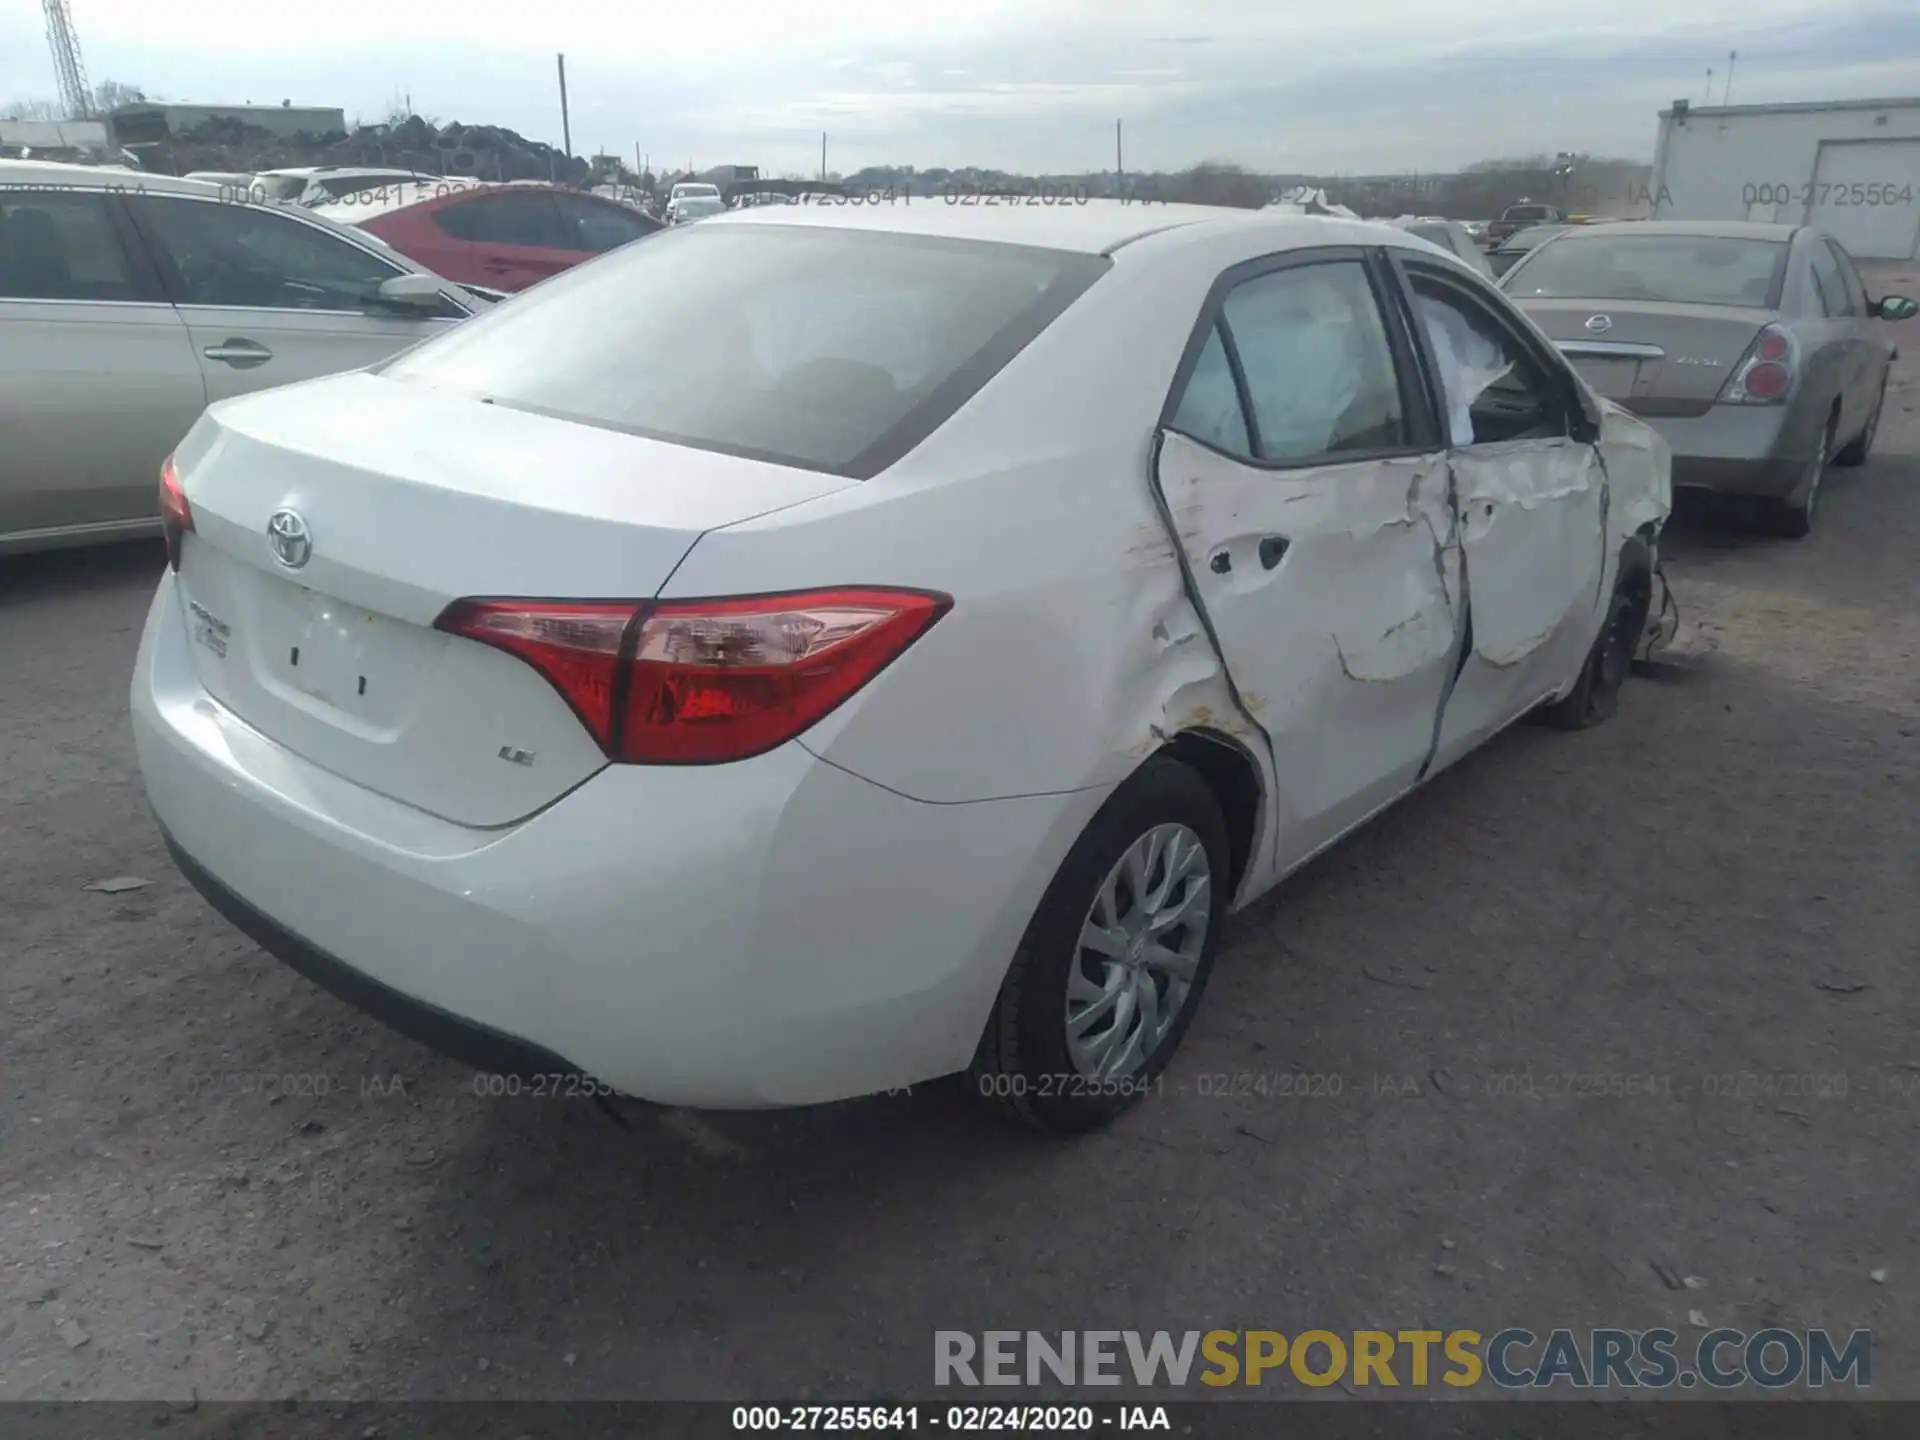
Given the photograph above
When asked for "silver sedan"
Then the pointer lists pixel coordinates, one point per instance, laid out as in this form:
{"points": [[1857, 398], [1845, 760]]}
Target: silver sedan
{"points": [[1752, 348], [130, 302]]}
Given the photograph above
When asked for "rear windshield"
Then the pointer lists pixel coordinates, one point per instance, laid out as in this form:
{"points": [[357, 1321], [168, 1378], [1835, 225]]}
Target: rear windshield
{"points": [[1527, 239], [1677, 269], [827, 349], [1527, 212], [282, 187]]}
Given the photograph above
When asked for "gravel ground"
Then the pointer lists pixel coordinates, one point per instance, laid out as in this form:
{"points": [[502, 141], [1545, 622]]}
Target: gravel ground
{"points": [[1721, 883]]}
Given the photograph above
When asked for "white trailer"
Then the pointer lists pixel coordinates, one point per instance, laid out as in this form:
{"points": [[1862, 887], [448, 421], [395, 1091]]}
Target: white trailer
{"points": [[1850, 167]]}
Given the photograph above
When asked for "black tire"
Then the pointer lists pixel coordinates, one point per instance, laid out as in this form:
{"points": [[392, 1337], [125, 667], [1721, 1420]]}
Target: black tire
{"points": [[1595, 696], [1023, 1064], [1792, 519], [1856, 453]]}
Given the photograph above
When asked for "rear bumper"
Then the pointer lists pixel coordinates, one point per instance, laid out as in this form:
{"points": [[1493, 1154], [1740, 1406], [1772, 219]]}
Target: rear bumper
{"points": [[771, 932], [485, 1049], [1739, 449]]}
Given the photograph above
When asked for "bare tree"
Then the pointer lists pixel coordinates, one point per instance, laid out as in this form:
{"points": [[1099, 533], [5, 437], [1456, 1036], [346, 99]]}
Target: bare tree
{"points": [[32, 110], [110, 95]]}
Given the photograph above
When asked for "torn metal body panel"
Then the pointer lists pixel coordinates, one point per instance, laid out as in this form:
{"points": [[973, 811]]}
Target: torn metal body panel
{"points": [[1334, 599]]}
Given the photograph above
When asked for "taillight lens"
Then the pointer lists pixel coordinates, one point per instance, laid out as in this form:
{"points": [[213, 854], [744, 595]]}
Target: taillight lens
{"points": [[176, 516], [1765, 374], [700, 682]]}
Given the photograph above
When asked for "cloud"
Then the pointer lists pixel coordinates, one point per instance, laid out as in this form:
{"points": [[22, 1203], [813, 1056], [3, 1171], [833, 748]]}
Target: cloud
{"points": [[1368, 85]]}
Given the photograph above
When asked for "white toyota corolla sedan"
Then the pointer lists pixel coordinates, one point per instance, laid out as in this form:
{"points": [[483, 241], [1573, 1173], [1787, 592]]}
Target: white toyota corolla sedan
{"points": [[819, 650]]}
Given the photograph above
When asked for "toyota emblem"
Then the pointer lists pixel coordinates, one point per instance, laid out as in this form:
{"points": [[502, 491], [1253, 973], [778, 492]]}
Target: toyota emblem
{"points": [[1600, 324], [291, 541]]}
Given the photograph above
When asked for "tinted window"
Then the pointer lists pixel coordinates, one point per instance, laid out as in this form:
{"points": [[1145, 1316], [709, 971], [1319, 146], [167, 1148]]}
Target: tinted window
{"points": [[247, 257], [830, 349], [1828, 282], [1318, 368], [1210, 408], [1494, 390], [524, 217], [61, 245], [1673, 269], [1528, 212], [597, 228]]}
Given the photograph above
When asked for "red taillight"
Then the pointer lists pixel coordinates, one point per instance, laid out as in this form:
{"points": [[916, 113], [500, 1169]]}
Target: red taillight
{"points": [[1768, 380], [176, 516], [1765, 374], [697, 682]]}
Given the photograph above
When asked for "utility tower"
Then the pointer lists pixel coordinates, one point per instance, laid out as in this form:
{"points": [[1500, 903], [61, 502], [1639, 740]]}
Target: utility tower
{"points": [[76, 96]]}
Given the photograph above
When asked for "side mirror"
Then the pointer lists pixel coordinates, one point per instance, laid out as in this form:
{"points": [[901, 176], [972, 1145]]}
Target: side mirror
{"points": [[1894, 307], [419, 293]]}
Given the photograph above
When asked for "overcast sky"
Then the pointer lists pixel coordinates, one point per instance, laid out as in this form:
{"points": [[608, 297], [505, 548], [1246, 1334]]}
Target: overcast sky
{"points": [[1360, 86]]}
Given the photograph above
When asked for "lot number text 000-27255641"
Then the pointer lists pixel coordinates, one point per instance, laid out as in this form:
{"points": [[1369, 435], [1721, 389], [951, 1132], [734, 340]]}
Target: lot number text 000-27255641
{"points": [[1888, 192]]}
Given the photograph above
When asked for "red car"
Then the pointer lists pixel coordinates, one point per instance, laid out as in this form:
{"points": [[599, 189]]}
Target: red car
{"points": [[500, 237]]}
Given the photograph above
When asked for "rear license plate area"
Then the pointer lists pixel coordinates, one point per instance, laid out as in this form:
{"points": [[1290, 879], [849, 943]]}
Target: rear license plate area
{"points": [[1613, 378]]}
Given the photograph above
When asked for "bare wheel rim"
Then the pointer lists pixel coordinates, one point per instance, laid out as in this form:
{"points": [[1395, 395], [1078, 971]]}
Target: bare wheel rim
{"points": [[1138, 952]]}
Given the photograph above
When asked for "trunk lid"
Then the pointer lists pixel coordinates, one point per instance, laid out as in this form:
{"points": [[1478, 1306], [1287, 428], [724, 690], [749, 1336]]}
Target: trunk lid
{"points": [[412, 498], [1653, 359]]}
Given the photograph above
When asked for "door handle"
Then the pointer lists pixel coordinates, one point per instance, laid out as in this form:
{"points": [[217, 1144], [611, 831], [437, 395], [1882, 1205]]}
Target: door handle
{"points": [[1272, 547], [238, 352]]}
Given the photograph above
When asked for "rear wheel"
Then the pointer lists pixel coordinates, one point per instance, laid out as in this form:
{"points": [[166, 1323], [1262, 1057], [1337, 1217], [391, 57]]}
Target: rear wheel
{"points": [[1596, 694], [1792, 518], [1115, 960], [1856, 453]]}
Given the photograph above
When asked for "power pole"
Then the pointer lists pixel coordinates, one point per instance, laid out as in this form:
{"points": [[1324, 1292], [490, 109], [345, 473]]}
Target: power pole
{"points": [[1119, 159], [1709, 87], [1726, 91], [566, 125], [823, 155]]}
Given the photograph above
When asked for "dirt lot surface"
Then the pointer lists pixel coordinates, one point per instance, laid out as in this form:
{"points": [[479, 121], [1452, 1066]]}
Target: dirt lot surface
{"points": [[216, 1180]]}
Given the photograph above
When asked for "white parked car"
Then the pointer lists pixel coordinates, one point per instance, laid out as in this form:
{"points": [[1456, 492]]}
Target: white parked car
{"points": [[312, 185], [689, 208], [813, 652]]}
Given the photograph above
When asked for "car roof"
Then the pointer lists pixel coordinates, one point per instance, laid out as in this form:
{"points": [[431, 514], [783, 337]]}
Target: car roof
{"points": [[68, 175], [1096, 227], [1719, 229], [371, 204]]}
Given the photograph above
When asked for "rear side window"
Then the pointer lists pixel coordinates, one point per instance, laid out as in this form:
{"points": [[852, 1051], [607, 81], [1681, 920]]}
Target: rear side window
{"points": [[1210, 409], [525, 217], [1319, 370], [61, 245], [828, 349]]}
